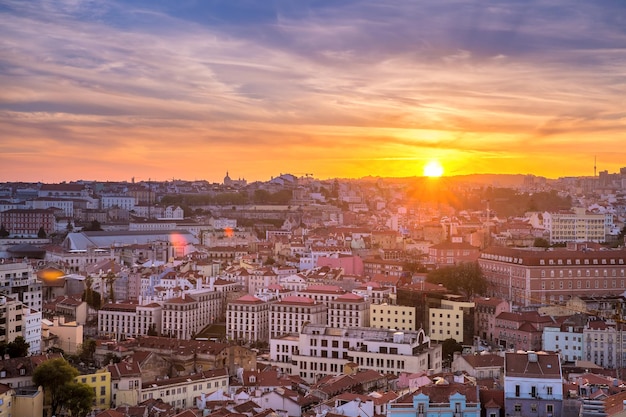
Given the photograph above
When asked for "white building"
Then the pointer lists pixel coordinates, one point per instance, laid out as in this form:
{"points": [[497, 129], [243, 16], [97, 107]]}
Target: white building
{"points": [[181, 392], [321, 350], [348, 310], [568, 342], [533, 384], [577, 225], [32, 330], [119, 201], [448, 321], [185, 316], [291, 313], [247, 318]]}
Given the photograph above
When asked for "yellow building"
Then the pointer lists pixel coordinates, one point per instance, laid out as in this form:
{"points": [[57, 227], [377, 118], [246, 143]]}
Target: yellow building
{"points": [[386, 316], [27, 402], [6, 394], [449, 320], [101, 384]]}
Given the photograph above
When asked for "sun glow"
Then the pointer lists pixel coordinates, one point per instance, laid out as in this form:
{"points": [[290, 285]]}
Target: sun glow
{"points": [[433, 169]]}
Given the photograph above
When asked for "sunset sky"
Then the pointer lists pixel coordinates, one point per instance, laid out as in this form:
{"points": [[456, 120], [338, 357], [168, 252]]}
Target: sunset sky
{"points": [[190, 89]]}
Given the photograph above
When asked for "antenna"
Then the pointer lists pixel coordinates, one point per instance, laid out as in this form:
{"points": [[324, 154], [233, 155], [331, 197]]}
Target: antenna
{"points": [[594, 165]]}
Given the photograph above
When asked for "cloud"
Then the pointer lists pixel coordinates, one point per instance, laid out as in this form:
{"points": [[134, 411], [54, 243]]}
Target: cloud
{"points": [[309, 79]]}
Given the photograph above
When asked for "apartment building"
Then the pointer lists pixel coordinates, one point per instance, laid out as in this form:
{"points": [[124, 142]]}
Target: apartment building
{"points": [[389, 316], [100, 382], [485, 312], [28, 222], [291, 313], [186, 315], [320, 350], [11, 319], [374, 292], [181, 392], [348, 310], [247, 319], [452, 320], [533, 384], [19, 281], [577, 225], [535, 277], [604, 343]]}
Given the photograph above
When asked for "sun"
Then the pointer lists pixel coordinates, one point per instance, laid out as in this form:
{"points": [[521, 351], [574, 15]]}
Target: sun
{"points": [[433, 169]]}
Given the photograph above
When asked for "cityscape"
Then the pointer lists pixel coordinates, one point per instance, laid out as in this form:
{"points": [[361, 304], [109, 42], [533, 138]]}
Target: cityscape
{"points": [[406, 208], [474, 295]]}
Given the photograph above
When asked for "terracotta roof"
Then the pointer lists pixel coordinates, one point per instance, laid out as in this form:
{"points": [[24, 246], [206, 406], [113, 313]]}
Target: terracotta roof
{"points": [[249, 299], [296, 300], [546, 365]]}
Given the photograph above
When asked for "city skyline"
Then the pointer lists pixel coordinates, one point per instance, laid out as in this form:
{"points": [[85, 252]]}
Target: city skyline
{"points": [[120, 89]]}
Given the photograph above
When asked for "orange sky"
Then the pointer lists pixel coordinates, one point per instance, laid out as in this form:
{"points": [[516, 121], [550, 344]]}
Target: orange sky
{"points": [[349, 89]]}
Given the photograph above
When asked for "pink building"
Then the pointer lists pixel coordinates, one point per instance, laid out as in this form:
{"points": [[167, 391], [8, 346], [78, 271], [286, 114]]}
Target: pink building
{"points": [[485, 312]]}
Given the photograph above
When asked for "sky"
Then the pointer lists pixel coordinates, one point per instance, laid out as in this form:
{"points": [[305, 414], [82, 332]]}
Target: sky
{"points": [[192, 89]]}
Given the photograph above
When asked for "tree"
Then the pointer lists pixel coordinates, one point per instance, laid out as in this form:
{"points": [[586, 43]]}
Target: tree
{"points": [[18, 348], [110, 280], [541, 243], [91, 297], [87, 350], [77, 398], [53, 375], [3, 231], [41, 234], [94, 226], [448, 347], [465, 278]]}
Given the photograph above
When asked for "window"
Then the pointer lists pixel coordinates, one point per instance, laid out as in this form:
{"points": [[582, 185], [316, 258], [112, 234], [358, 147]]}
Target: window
{"points": [[549, 390], [517, 390]]}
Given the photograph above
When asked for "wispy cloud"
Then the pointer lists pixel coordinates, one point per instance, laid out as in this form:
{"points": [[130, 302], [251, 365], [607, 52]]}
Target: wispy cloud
{"points": [[134, 86]]}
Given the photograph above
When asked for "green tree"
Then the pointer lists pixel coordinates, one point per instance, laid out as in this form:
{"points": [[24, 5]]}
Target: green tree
{"points": [[41, 234], [448, 347], [3, 231], [87, 350], [77, 398], [91, 297], [541, 243], [465, 278], [53, 375], [94, 226], [18, 348]]}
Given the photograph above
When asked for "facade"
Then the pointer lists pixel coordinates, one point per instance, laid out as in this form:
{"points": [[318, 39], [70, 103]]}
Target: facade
{"points": [[577, 225], [533, 384], [101, 384], [320, 350], [125, 383], [119, 201], [485, 312], [11, 319], [568, 342], [450, 321], [387, 316], [185, 316], [181, 392], [348, 310], [291, 313], [535, 277], [521, 331], [455, 400], [27, 222], [604, 344], [18, 280], [452, 253], [247, 319]]}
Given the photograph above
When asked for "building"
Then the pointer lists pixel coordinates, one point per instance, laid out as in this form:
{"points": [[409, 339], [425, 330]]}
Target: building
{"points": [[100, 382], [388, 316], [452, 320], [533, 384], [19, 281], [125, 383], [536, 277], [320, 350], [181, 392], [577, 225], [28, 222], [291, 313], [187, 315], [452, 252], [442, 399], [247, 319], [348, 310], [485, 312]]}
